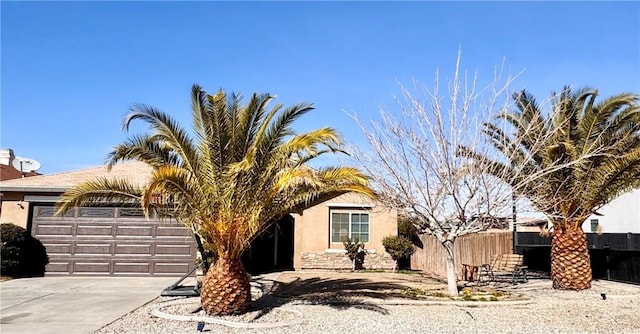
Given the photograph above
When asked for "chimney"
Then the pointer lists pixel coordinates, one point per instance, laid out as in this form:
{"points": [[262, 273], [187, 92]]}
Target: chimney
{"points": [[6, 156]]}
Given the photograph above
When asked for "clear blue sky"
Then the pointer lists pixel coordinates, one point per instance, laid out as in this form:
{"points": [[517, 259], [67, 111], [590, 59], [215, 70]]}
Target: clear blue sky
{"points": [[70, 70]]}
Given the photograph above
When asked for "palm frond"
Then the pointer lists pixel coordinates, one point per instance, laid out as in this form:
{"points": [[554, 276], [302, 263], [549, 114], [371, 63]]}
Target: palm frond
{"points": [[585, 153], [101, 191]]}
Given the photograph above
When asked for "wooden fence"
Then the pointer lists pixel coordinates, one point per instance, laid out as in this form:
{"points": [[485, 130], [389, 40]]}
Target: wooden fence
{"points": [[469, 249]]}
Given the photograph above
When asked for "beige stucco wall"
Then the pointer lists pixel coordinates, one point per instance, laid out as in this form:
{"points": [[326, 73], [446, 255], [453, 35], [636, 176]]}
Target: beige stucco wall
{"points": [[312, 226], [15, 212]]}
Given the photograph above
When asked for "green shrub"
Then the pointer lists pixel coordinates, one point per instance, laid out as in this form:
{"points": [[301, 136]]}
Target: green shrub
{"points": [[355, 251], [398, 247], [21, 254]]}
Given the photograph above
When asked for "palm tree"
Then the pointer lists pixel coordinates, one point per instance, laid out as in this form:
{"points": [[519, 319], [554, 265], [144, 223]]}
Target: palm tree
{"points": [[569, 164], [242, 168]]}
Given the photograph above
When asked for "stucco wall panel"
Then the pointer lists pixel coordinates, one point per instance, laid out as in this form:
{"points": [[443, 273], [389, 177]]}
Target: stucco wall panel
{"points": [[15, 212], [312, 233]]}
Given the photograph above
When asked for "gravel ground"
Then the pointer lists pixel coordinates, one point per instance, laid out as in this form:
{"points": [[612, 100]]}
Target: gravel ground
{"points": [[550, 311]]}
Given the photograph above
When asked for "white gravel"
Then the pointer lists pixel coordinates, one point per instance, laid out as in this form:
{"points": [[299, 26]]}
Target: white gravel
{"points": [[551, 311]]}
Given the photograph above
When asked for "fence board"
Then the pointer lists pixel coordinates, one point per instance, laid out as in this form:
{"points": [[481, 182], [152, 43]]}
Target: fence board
{"points": [[469, 249]]}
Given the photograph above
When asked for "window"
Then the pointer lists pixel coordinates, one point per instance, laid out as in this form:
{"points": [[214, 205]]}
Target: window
{"points": [[349, 225], [594, 225], [96, 212], [49, 211], [131, 212]]}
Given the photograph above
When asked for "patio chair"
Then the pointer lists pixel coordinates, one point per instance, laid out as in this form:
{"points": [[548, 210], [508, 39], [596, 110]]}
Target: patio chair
{"points": [[503, 267]]}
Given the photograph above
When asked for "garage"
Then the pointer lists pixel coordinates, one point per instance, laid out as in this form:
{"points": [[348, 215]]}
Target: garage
{"points": [[114, 241], [119, 241]]}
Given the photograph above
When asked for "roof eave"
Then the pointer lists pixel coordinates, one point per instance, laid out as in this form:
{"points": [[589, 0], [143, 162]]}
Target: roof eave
{"points": [[37, 189]]}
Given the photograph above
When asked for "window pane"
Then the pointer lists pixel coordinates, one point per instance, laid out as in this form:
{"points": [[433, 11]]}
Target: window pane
{"points": [[355, 228], [364, 237], [339, 226], [45, 211], [131, 212], [360, 226], [339, 217], [49, 211], [344, 229], [96, 212]]}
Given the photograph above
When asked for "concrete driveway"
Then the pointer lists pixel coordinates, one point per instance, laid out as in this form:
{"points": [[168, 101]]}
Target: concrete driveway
{"points": [[72, 304]]}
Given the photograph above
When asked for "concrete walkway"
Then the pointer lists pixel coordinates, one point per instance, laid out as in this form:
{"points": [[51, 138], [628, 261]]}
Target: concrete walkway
{"points": [[72, 304]]}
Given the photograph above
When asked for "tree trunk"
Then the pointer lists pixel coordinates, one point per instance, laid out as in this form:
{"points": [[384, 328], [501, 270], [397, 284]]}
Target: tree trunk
{"points": [[452, 279], [570, 262], [225, 288]]}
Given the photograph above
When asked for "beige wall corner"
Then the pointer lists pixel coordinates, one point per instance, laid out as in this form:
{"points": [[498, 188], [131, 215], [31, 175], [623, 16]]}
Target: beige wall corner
{"points": [[15, 212]]}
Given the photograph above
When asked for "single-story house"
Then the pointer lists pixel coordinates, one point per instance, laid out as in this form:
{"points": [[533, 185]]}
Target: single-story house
{"points": [[622, 215], [121, 241]]}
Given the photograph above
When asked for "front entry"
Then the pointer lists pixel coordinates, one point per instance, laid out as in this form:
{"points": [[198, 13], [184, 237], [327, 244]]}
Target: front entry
{"points": [[272, 250]]}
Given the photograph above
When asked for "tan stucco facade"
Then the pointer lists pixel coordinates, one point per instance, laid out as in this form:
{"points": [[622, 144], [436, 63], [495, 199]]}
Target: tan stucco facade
{"points": [[313, 228], [312, 246], [15, 212]]}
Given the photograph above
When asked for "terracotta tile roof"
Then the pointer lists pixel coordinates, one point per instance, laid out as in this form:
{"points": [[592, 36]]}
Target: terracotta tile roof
{"points": [[134, 171], [8, 173]]}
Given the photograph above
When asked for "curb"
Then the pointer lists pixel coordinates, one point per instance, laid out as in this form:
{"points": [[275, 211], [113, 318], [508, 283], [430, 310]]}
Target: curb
{"points": [[213, 320]]}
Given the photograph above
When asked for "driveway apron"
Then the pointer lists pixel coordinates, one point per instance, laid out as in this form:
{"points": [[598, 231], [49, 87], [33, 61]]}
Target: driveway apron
{"points": [[72, 304]]}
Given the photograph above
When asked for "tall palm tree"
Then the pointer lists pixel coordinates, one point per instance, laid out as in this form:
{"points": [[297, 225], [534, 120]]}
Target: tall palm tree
{"points": [[581, 156], [242, 168]]}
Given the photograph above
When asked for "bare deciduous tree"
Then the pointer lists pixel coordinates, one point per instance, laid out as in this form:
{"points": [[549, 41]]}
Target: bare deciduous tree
{"points": [[414, 158]]}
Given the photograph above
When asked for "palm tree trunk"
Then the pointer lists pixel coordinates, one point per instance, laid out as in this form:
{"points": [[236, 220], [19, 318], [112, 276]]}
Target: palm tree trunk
{"points": [[225, 288], [570, 262]]}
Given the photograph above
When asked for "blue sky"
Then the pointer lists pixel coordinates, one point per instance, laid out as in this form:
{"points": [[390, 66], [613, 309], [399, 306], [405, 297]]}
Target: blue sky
{"points": [[70, 70]]}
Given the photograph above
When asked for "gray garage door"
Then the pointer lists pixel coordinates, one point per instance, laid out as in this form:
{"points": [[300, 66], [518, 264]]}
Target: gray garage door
{"points": [[112, 241]]}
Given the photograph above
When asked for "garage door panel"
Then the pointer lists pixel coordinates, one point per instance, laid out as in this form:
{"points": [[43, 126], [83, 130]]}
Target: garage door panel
{"points": [[92, 243], [93, 249], [100, 267], [105, 230], [54, 229], [172, 249], [62, 248], [171, 267], [57, 267], [172, 231], [133, 249], [131, 268], [134, 231]]}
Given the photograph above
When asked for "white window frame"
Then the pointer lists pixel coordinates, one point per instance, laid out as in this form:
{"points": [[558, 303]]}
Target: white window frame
{"points": [[351, 213]]}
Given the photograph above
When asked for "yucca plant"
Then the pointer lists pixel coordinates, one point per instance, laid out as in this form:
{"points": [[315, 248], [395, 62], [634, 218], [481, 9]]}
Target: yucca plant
{"points": [[570, 163], [240, 169]]}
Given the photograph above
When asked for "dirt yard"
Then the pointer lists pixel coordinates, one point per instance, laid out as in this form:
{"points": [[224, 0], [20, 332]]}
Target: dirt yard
{"points": [[378, 285]]}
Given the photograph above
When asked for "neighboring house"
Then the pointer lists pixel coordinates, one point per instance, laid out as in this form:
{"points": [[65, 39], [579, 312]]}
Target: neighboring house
{"points": [[622, 215], [121, 241], [7, 171]]}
